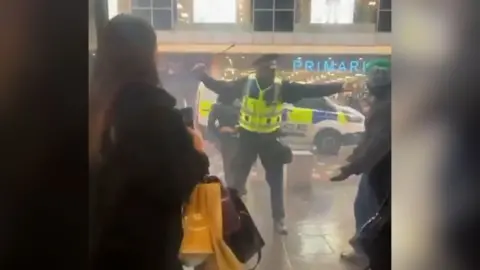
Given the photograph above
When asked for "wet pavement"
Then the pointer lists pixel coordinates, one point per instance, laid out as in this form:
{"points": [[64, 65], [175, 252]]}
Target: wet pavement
{"points": [[320, 222], [319, 219]]}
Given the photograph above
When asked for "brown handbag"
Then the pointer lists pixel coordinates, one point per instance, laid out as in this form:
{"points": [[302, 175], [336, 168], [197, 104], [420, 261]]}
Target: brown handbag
{"points": [[246, 242]]}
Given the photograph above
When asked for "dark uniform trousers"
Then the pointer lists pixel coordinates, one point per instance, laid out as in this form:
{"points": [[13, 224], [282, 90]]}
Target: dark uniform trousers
{"points": [[250, 146]]}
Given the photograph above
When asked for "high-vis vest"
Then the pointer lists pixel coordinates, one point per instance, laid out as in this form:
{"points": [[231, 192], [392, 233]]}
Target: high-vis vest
{"points": [[255, 114]]}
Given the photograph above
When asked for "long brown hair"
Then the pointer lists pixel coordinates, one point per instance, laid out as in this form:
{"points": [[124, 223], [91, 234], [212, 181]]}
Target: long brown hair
{"points": [[126, 53]]}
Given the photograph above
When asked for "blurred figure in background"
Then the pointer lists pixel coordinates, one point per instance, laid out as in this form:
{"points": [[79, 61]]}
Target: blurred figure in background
{"points": [[222, 124], [364, 106], [372, 158], [365, 204], [143, 148]]}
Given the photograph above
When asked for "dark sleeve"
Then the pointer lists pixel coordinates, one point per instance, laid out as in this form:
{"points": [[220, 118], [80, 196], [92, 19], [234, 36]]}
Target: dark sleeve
{"points": [[157, 143], [179, 150], [212, 119], [219, 86], [358, 149], [293, 92], [375, 145]]}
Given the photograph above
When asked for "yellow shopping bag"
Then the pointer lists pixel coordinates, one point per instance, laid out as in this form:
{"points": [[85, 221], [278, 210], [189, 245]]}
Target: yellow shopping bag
{"points": [[203, 231], [196, 244]]}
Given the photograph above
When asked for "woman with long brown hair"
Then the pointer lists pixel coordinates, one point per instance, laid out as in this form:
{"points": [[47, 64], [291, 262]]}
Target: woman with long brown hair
{"points": [[145, 160]]}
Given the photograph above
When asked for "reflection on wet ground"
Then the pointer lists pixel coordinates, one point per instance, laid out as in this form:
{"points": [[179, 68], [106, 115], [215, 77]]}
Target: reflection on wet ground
{"points": [[320, 222], [319, 218]]}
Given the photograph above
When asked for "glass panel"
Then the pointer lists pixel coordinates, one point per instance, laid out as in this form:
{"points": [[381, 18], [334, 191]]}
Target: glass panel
{"points": [[263, 4], [285, 4], [263, 21], [214, 11], [162, 19], [145, 14], [332, 11], [365, 12], [283, 21], [141, 3], [385, 21], [314, 103], [386, 4], [163, 3]]}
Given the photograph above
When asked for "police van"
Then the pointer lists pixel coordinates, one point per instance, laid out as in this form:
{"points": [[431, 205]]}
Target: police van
{"points": [[318, 124]]}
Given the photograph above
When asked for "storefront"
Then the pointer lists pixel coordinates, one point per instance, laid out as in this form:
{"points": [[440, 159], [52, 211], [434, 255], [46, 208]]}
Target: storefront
{"points": [[175, 69]]}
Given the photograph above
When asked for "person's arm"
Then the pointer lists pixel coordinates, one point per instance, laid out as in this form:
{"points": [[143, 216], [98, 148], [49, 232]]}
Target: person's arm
{"points": [[358, 149], [375, 146], [212, 119], [219, 86], [157, 140], [293, 92]]}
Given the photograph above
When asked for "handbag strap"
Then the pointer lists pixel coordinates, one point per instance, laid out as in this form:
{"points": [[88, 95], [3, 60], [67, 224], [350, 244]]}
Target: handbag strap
{"points": [[259, 259]]}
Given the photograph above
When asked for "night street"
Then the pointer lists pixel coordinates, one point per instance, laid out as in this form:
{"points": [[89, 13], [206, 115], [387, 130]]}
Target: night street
{"points": [[319, 217]]}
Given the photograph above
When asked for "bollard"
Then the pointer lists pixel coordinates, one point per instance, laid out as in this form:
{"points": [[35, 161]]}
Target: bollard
{"points": [[299, 172]]}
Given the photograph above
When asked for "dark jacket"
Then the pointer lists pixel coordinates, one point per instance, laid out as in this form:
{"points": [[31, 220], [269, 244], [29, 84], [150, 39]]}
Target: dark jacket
{"points": [[142, 183], [372, 156], [225, 115]]}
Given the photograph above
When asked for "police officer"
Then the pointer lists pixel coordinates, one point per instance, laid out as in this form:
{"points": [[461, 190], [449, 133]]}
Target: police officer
{"points": [[262, 95]]}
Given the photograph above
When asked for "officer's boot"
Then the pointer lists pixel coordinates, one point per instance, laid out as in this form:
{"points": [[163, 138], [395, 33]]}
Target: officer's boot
{"points": [[280, 227]]}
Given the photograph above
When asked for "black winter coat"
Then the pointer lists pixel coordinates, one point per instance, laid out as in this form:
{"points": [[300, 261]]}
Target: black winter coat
{"points": [[148, 173], [372, 156]]}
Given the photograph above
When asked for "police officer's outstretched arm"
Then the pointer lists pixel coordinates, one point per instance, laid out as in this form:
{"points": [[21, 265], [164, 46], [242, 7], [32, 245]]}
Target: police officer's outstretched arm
{"points": [[293, 92], [219, 86]]}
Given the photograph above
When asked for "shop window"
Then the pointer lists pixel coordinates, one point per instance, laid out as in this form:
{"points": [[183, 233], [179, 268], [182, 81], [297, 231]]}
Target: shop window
{"points": [[385, 4], [284, 21], [156, 12], [145, 14], [207, 11], [384, 21], [285, 4], [162, 19], [162, 4], [332, 11], [263, 21], [263, 4], [365, 13], [141, 3]]}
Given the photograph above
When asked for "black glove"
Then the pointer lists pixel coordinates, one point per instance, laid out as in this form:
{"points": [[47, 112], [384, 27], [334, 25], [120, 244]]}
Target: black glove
{"points": [[340, 176]]}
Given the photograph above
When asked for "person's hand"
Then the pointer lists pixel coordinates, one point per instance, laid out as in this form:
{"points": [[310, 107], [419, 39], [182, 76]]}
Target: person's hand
{"points": [[351, 85], [340, 176], [227, 130], [199, 69]]}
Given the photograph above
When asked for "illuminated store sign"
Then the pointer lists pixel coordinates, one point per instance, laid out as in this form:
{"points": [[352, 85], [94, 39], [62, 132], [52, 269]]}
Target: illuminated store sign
{"points": [[356, 66]]}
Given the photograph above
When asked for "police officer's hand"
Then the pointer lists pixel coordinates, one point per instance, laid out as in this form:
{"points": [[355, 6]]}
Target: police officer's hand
{"points": [[199, 69]]}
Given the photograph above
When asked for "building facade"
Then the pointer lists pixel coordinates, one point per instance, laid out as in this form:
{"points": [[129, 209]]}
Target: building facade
{"points": [[260, 26], [318, 40]]}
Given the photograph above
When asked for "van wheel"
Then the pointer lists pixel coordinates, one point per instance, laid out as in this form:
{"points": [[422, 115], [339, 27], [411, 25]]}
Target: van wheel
{"points": [[328, 142]]}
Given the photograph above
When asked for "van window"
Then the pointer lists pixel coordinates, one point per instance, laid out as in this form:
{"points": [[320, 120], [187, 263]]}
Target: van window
{"points": [[315, 104]]}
